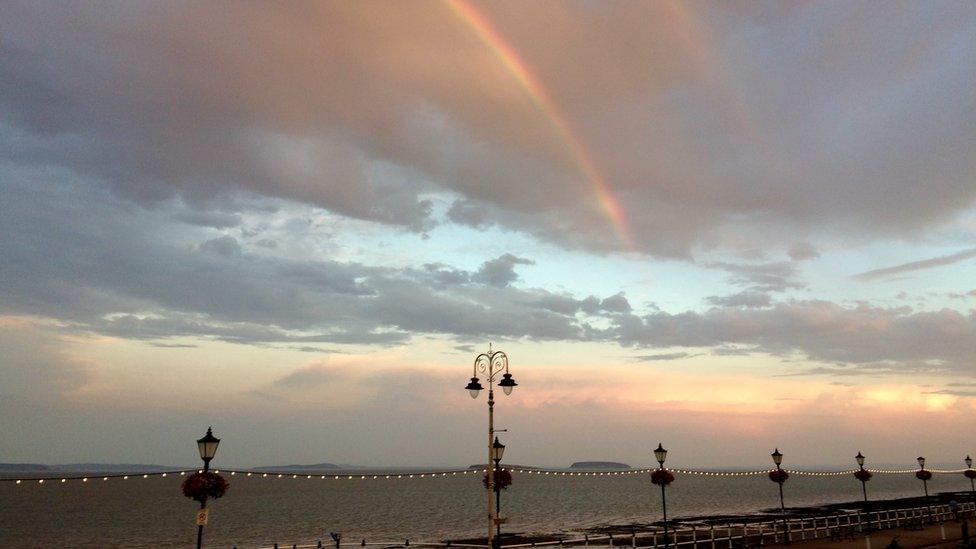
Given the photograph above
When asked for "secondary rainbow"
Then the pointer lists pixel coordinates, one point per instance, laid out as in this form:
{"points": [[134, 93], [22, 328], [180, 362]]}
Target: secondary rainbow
{"points": [[507, 56]]}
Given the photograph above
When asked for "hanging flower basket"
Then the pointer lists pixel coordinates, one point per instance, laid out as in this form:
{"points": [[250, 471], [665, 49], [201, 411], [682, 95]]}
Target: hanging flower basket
{"points": [[923, 475], [778, 476], [863, 475], [662, 477], [503, 479], [204, 486], [969, 473]]}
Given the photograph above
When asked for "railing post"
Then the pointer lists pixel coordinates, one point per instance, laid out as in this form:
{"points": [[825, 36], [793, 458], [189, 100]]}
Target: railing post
{"points": [[760, 533], [586, 540], [694, 537], [655, 540], [611, 541], [730, 535], [319, 544], [711, 527], [633, 539]]}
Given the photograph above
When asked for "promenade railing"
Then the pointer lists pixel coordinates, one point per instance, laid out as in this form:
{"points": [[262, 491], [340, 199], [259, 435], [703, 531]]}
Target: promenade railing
{"points": [[731, 535]]}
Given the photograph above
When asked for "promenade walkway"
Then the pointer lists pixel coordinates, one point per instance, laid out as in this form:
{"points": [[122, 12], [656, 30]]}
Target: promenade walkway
{"points": [[948, 535]]}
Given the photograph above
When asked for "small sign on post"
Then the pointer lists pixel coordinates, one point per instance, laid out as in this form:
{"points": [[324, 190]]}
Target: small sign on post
{"points": [[202, 516]]}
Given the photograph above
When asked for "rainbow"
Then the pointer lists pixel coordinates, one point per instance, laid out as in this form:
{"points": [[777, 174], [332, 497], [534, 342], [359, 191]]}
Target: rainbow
{"points": [[580, 156]]}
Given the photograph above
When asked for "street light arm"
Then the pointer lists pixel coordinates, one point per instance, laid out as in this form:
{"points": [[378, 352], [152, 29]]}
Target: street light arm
{"points": [[490, 364]]}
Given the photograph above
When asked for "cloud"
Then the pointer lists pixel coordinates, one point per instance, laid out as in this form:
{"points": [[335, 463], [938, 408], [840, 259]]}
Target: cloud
{"points": [[222, 245], [500, 271], [38, 365], [95, 263], [761, 277], [802, 251], [309, 377], [952, 392], [368, 112], [741, 299], [616, 303], [147, 284], [918, 265], [662, 357], [864, 338]]}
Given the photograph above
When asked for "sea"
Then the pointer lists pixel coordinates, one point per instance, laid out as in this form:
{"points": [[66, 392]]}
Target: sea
{"points": [[260, 511]]}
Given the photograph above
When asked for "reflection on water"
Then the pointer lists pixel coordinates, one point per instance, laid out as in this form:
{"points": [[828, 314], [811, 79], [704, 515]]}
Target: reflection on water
{"points": [[153, 513]]}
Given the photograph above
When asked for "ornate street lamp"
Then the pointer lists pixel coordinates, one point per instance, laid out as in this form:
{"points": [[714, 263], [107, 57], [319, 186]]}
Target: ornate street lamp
{"points": [[663, 477], [864, 476], [924, 476], [208, 449], [779, 476], [497, 451], [491, 364], [970, 474]]}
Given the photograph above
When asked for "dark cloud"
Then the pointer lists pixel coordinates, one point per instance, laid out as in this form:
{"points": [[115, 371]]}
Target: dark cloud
{"points": [[616, 303], [222, 245], [195, 100], [500, 271], [918, 265], [76, 253], [863, 336], [761, 277], [467, 212], [208, 218]]}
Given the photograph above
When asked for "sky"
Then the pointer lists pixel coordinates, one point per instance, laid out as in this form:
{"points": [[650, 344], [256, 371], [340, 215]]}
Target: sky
{"points": [[726, 227]]}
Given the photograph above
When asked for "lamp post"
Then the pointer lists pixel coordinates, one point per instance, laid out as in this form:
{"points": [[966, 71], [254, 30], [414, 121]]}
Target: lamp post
{"points": [[863, 477], [208, 448], [497, 451], [660, 454], [924, 476], [491, 364], [778, 459], [970, 474]]}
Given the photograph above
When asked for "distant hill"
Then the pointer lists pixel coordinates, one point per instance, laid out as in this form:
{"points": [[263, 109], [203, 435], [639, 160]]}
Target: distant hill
{"points": [[23, 467], [599, 465], [81, 467], [503, 465], [314, 467]]}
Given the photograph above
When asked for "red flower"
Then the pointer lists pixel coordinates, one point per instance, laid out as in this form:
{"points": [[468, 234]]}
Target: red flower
{"points": [[203, 486], [969, 473], [922, 474], [863, 475], [662, 477], [778, 476], [503, 479]]}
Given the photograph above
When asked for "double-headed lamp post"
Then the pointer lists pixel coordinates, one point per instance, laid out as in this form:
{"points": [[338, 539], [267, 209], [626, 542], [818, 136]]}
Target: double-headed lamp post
{"points": [[777, 460], [660, 454], [491, 364], [497, 451], [208, 449], [925, 484]]}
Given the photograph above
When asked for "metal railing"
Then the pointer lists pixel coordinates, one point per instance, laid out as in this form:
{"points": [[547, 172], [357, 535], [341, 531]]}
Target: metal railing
{"points": [[711, 536]]}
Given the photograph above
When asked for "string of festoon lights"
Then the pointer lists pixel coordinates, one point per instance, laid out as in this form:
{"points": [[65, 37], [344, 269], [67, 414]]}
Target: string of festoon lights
{"points": [[400, 475]]}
